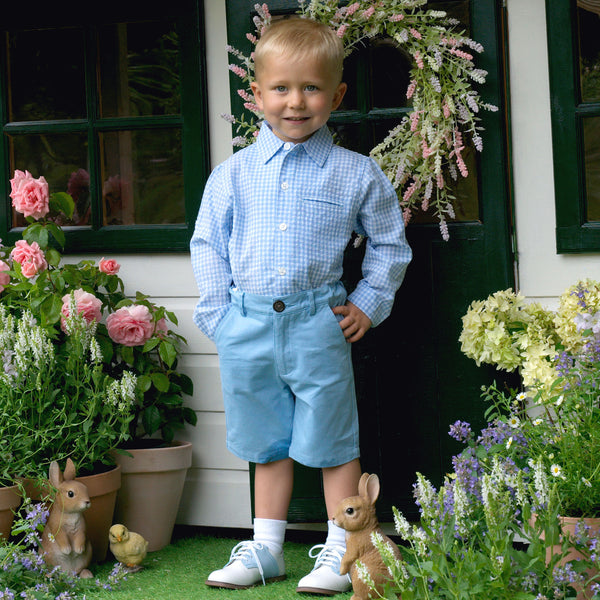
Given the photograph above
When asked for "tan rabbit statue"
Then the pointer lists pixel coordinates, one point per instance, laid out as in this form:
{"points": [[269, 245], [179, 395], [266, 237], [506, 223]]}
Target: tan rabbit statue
{"points": [[64, 541], [357, 516]]}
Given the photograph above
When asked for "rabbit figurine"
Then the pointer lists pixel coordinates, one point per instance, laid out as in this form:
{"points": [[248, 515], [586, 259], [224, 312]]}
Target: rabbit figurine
{"points": [[64, 541], [357, 516]]}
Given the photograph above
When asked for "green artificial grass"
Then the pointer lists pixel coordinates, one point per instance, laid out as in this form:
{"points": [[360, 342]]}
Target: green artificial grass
{"points": [[178, 572]]}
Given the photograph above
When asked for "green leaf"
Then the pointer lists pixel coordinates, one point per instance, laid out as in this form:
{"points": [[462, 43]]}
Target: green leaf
{"points": [[53, 257], [143, 383], [62, 202], [167, 352], [151, 420], [36, 233], [127, 354], [187, 385], [160, 381], [171, 400], [190, 416], [57, 233], [151, 344], [50, 310]]}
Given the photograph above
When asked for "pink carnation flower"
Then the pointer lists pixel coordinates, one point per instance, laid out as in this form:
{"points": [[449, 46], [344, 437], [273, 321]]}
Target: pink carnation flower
{"points": [[30, 196], [109, 266], [4, 277], [86, 304], [31, 258], [130, 325]]}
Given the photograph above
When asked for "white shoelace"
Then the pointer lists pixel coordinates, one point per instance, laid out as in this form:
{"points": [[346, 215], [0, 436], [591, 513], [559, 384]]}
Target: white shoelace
{"points": [[327, 556], [243, 549]]}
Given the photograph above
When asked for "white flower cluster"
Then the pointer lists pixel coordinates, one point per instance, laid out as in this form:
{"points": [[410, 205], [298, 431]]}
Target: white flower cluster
{"points": [[121, 392], [27, 351]]}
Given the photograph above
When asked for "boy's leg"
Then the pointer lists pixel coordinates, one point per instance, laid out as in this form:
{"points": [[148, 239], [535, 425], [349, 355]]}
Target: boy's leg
{"points": [[261, 559], [273, 483], [338, 483]]}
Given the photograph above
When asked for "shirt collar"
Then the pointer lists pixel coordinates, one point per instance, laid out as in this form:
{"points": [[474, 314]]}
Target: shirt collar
{"points": [[317, 146]]}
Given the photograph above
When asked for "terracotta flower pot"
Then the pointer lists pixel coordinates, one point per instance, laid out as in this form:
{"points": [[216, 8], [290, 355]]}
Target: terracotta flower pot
{"points": [[569, 526], [102, 488], [152, 484], [10, 500]]}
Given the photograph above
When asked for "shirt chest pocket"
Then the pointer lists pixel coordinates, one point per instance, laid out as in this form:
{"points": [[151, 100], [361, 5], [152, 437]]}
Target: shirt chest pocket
{"points": [[323, 215]]}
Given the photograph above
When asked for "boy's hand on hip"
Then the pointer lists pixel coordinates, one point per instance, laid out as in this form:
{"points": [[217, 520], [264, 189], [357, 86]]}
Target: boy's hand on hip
{"points": [[355, 323]]}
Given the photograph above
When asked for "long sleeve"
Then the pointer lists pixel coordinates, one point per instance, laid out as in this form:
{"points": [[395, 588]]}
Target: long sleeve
{"points": [[210, 254], [387, 253]]}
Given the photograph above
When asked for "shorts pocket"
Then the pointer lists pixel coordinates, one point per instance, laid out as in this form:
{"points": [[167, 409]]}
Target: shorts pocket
{"points": [[222, 323], [334, 323]]}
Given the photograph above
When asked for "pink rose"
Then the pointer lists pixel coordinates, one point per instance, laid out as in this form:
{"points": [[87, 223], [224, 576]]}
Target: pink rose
{"points": [[31, 258], [29, 196], [130, 325], [86, 304], [4, 277], [109, 266]]}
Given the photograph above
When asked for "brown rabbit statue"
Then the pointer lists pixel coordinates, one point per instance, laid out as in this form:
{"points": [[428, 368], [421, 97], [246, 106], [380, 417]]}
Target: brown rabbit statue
{"points": [[357, 516], [64, 541]]}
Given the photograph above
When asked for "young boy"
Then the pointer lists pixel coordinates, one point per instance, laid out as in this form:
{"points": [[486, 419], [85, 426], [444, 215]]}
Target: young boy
{"points": [[267, 255]]}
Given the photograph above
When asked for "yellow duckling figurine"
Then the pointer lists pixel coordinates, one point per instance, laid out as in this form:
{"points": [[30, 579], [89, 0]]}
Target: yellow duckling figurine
{"points": [[128, 547]]}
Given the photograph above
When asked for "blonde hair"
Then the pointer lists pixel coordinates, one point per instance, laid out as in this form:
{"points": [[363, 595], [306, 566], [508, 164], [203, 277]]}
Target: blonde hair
{"points": [[302, 39]]}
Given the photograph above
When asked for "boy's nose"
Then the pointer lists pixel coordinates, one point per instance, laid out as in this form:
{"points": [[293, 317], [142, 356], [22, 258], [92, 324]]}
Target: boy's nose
{"points": [[296, 100]]}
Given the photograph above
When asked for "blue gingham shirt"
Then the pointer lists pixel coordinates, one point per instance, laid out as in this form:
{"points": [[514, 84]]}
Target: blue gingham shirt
{"points": [[276, 217]]}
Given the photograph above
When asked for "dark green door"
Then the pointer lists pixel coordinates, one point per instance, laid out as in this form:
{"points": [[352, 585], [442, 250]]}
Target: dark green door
{"points": [[412, 380]]}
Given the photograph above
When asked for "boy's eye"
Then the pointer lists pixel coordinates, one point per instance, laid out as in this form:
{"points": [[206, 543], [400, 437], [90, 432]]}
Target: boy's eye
{"points": [[280, 88], [311, 88]]}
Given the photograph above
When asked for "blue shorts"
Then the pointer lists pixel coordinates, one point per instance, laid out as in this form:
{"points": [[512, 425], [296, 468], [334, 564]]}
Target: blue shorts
{"points": [[287, 378]]}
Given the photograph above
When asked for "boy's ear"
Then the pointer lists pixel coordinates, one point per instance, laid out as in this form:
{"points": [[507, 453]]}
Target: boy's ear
{"points": [[338, 96], [257, 94]]}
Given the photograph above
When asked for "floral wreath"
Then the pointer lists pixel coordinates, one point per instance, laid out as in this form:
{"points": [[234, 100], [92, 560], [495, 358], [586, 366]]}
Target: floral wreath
{"points": [[423, 154]]}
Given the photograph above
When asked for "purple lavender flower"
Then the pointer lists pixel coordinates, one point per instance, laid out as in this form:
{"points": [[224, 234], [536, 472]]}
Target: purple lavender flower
{"points": [[460, 431]]}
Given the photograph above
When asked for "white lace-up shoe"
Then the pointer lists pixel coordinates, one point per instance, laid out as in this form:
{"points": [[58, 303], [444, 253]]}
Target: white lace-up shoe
{"points": [[250, 563], [325, 578]]}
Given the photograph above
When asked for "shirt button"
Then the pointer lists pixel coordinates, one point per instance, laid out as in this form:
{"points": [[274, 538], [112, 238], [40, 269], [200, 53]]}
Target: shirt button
{"points": [[285, 185], [283, 226], [287, 146], [281, 270]]}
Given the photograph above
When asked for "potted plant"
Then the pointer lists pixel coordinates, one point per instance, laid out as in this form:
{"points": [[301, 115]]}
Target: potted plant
{"points": [[112, 355], [557, 416], [555, 422]]}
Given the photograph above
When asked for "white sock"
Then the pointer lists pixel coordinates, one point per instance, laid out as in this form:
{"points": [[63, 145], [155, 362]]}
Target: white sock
{"points": [[271, 533], [336, 536]]}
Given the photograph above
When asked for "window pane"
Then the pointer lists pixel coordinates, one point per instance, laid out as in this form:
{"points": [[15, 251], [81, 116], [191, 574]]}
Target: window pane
{"points": [[63, 160], [591, 144], [389, 85], [589, 54], [142, 177], [139, 69], [46, 75]]}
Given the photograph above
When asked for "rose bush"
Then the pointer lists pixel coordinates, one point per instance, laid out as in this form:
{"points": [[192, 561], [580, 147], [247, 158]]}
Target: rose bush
{"points": [[123, 335]]}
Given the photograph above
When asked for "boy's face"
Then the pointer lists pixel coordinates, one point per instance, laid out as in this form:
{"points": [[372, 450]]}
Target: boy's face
{"points": [[296, 96]]}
